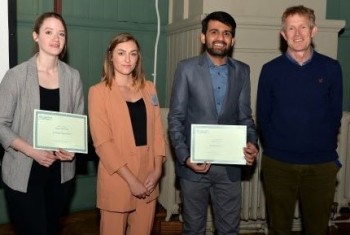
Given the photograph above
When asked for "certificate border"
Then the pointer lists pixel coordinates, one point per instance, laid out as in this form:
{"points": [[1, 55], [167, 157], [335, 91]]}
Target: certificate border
{"points": [[37, 112], [192, 150]]}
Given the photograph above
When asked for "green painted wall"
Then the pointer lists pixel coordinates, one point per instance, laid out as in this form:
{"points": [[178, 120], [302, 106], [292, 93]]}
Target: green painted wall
{"points": [[339, 9], [91, 24]]}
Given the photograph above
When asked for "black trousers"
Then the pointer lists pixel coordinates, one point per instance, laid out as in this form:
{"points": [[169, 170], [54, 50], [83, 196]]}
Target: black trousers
{"points": [[38, 211]]}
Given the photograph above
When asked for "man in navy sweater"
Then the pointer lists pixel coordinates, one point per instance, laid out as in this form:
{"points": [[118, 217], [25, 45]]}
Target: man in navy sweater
{"points": [[299, 113]]}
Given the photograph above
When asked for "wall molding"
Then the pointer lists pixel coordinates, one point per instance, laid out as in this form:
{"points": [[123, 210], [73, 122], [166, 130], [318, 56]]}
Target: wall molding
{"points": [[98, 24]]}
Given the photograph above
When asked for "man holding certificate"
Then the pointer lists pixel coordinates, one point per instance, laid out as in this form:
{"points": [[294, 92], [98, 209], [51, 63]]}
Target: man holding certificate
{"points": [[209, 111]]}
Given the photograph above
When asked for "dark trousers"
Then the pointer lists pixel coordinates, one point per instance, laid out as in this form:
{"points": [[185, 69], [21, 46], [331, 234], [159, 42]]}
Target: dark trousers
{"points": [[38, 211], [312, 185], [225, 197]]}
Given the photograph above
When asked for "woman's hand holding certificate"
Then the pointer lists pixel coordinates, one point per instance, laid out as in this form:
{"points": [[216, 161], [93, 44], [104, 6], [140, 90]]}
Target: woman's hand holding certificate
{"points": [[58, 130]]}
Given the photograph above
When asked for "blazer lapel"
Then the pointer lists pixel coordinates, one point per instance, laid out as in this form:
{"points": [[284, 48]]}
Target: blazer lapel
{"points": [[233, 86], [32, 84], [63, 76], [206, 83], [120, 120]]}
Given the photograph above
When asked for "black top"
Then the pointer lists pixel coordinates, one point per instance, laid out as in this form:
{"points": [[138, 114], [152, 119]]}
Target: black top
{"points": [[137, 111], [49, 99]]}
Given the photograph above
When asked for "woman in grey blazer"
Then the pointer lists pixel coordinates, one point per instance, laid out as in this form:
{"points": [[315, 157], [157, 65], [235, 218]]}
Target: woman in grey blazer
{"points": [[36, 182]]}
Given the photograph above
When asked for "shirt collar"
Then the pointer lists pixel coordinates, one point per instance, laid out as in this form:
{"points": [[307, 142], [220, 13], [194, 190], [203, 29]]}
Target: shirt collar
{"points": [[211, 64], [296, 62]]}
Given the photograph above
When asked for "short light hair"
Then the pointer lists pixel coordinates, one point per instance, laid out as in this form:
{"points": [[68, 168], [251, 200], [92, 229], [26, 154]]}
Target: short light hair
{"points": [[299, 10]]}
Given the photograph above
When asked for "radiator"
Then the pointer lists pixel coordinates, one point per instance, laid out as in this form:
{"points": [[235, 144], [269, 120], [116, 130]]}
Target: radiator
{"points": [[342, 195], [253, 212]]}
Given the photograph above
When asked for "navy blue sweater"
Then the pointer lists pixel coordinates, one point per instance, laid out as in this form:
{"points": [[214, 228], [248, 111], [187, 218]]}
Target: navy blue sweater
{"points": [[299, 109]]}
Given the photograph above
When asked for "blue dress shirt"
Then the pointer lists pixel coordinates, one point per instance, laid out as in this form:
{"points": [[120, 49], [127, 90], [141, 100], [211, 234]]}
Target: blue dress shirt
{"points": [[219, 76]]}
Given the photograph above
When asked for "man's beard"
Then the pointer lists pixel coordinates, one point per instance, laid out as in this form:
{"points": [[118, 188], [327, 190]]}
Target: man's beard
{"points": [[222, 52]]}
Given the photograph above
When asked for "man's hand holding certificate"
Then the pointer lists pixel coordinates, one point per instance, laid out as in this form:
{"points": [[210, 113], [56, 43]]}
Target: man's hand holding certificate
{"points": [[57, 130], [218, 144]]}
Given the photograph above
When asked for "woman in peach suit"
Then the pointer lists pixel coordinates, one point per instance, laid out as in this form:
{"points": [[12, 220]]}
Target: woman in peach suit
{"points": [[128, 137]]}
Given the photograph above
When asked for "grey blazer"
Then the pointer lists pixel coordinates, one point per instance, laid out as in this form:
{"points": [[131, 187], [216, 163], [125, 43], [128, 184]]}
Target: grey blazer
{"points": [[192, 102], [19, 96]]}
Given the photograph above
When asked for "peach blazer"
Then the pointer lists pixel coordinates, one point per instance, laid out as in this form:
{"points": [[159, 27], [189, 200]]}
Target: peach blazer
{"points": [[113, 139]]}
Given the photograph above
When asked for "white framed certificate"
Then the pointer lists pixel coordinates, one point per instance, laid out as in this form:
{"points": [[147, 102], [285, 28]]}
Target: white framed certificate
{"points": [[54, 130], [218, 144]]}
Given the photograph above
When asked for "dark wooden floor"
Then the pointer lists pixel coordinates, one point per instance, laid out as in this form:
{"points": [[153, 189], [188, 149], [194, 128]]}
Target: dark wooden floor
{"points": [[86, 223]]}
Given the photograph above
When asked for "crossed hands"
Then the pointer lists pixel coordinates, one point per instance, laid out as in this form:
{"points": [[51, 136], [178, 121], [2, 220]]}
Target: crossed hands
{"points": [[143, 190]]}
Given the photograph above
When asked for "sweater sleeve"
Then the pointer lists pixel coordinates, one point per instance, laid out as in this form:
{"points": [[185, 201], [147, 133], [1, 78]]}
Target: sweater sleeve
{"points": [[336, 94]]}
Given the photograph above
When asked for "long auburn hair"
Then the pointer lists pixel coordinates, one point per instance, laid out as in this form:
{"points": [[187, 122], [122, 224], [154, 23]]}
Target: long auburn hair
{"points": [[138, 74]]}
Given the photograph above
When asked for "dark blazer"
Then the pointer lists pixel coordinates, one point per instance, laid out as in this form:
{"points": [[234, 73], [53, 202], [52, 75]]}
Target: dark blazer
{"points": [[192, 102]]}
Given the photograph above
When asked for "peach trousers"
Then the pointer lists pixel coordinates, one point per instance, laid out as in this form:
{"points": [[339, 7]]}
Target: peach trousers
{"points": [[135, 222]]}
